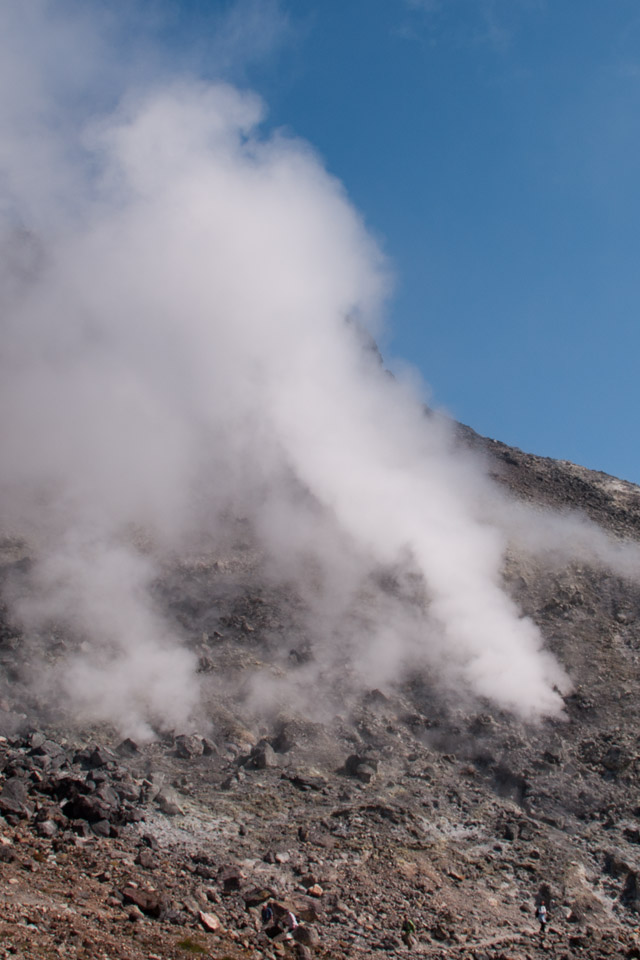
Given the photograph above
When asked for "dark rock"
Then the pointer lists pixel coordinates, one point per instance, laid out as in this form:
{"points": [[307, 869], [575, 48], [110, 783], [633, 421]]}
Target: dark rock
{"points": [[145, 859], [617, 758], [362, 767], [49, 748], [68, 787], [127, 748], [151, 903], [81, 828], [630, 895], [257, 895], [616, 865], [100, 757], [189, 747], [262, 756], [304, 782], [306, 935], [14, 798], [230, 877], [107, 794], [90, 808], [129, 813], [365, 773], [127, 790]]}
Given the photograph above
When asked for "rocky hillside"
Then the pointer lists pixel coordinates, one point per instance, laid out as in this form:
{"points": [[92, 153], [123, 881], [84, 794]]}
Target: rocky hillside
{"points": [[401, 806]]}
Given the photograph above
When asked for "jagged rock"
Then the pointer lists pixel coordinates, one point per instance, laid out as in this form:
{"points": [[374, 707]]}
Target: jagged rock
{"points": [[257, 895], [189, 747], [48, 748], [230, 877], [262, 756], [191, 905], [151, 903], [304, 781], [100, 757], [89, 807], [14, 798], [107, 795], [127, 748], [128, 790], [167, 802], [365, 772]]}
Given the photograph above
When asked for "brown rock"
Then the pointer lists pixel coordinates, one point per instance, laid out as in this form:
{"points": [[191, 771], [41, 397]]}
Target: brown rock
{"points": [[147, 900], [209, 921]]}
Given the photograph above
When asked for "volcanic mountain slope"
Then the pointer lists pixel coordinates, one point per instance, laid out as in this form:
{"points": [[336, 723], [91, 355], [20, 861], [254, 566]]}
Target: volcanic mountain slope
{"points": [[400, 804]]}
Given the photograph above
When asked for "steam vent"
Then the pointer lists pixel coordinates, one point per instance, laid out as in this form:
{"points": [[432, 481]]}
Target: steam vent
{"points": [[293, 665], [292, 780]]}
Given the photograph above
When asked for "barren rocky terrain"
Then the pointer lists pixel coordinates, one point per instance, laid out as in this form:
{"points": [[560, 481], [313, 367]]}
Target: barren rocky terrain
{"points": [[462, 819]]}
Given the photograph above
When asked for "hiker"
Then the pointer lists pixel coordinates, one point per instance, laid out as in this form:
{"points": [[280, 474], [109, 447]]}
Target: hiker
{"points": [[270, 926], [408, 932], [286, 925], [541, 914]]}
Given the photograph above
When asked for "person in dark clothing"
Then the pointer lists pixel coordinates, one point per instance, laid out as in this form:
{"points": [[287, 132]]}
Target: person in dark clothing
{"points": [[408, 932]]}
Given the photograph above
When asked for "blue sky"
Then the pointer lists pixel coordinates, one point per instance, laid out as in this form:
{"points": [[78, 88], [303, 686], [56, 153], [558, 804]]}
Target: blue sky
{"points": [[492, 148]]}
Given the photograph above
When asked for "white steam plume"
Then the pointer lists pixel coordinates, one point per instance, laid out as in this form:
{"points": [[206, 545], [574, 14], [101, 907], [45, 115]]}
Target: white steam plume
{"points": [[183, 304]]}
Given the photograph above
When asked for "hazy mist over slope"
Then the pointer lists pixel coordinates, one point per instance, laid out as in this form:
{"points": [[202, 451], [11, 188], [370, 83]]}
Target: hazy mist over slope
{"points": [[187, 305]]}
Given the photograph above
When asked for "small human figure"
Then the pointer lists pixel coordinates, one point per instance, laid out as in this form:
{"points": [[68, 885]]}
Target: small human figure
{"points": [[286, 925], [541, 914], [267, 915], [408, 932], [290, 922]]}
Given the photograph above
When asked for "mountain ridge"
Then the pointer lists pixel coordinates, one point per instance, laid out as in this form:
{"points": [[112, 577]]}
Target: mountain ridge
{"points": [[405, 802]]}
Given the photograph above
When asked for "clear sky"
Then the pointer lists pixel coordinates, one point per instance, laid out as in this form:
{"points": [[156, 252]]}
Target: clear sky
{"points": [[492, 147]]}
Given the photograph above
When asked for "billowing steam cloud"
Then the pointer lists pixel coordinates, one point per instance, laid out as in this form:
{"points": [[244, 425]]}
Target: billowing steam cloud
{"points": [[184, 306]]}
